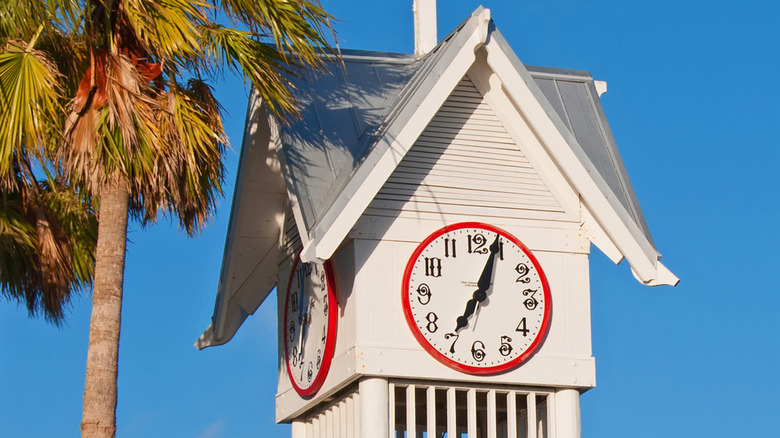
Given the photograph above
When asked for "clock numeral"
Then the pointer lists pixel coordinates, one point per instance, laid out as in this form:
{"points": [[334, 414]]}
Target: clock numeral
{"points": [[476, 244], [291, 331], [449, 248], [310, 372], [506, 348], [452, 335], [322, 281], [530, 302], [431, 326], [294, 301], [522, 269], [295, 356], [323, 334], [522, 328], [325, 305], [319, 357], [424, 293], [432, 267], [478, 353]]}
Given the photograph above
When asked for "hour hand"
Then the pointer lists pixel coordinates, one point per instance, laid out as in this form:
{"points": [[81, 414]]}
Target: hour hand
{"points": [[485, 280]]}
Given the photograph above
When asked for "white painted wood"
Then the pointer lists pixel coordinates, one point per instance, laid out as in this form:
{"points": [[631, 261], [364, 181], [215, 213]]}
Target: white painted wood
{"points": [[567, 414], [330, 425], [531, 408], [461, 165], [374, 407], [511, 414], [298, 429], [430, 394], [491, 414], [551, 417], [411, 405], [358, 415], [377, 168], [452, 409], [425, 38], [639, 253], [391, 409], [350, 422], [471, 412]]}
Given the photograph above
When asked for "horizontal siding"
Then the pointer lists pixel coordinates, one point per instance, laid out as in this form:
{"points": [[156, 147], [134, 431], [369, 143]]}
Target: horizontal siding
{"points": [[466, 163]]}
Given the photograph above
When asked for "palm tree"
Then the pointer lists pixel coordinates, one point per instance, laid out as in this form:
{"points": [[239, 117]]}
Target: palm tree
{"points": [[47, 228], [143, 133]]}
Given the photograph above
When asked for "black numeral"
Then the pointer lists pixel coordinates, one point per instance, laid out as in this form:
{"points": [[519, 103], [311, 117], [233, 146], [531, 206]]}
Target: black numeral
{"points": [[294, 301], [521, 327], [452, 335], [449, 248], [506, 348], [478, 352], [432, 267], [476, 244], [530, 302], [424, 294], [522, 269], [431, 326]]}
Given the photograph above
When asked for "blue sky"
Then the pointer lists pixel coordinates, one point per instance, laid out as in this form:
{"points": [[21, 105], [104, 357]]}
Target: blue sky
{"points": [[694, 107]]}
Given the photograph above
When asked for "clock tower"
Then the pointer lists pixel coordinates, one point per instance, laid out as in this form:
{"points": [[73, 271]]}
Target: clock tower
{"points": [[425, 226]]}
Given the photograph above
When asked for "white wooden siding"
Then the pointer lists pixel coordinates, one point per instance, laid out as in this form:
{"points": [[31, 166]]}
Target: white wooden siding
{"points": [[465, 163]]}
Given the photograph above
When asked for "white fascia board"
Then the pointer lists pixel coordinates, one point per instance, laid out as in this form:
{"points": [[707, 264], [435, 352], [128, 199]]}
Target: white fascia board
{"points": [[390, 149], [519, 84], [248, 272]]}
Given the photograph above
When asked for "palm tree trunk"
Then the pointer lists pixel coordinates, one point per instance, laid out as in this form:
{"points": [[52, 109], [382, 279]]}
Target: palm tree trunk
{"points": [[100, 387]]}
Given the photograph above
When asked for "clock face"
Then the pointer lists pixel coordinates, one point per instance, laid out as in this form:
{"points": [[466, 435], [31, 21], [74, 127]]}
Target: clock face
{"points": [[476, 298], [309, 325]]}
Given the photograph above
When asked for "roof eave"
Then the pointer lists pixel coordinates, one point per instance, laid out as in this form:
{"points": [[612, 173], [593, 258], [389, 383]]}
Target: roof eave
{"points": [[405, 123]]}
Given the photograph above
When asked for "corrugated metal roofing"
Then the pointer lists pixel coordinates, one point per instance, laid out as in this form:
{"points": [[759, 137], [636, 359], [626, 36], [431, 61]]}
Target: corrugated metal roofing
{"points": [[346, 110]]}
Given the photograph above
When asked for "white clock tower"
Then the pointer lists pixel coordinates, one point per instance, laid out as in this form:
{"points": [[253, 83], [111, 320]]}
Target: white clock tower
{"points": [[426, 225]]}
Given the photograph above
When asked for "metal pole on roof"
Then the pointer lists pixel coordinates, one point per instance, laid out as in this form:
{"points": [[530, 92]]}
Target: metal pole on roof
{"points": [[425, 38]]}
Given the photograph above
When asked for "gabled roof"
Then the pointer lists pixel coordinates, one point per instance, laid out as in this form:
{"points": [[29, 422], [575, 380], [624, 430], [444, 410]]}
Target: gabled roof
{"points": [[359, 120]]}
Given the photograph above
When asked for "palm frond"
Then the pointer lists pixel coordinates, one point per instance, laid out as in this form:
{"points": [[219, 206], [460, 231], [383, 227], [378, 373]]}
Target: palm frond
{"points": [[295, 27], [188, 172], [29, 102], [261, 64], [47, 242]]}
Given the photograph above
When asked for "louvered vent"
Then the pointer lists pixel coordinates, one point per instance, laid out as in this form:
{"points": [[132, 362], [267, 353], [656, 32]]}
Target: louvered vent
{"points": [[465, 163]]}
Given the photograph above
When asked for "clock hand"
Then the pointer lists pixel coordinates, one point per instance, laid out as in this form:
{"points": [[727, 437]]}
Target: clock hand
{"points": [[483, 285], [303, 315]]}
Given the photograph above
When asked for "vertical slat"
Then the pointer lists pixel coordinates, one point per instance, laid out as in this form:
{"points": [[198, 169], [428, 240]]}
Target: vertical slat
{"points": [[511, 415], [343, 419], [552, 415], [391, 409], [532, 424], [491, 414], [357, 412], [431, 408], [309, 430], [349, 422], [315, 427], [411, 405], [452, 425], [337, 420], [471, 412], [329, 426]]}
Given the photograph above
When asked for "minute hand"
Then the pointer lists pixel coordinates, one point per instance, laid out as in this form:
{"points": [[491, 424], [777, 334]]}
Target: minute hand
{"points": [[483, 285]]}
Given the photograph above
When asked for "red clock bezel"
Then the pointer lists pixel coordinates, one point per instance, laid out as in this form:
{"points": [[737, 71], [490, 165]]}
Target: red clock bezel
{"points": [[330, 340], [423, 341]]}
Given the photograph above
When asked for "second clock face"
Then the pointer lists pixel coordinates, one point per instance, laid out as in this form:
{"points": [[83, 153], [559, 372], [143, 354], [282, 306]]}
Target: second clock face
{"points": [[310, 325], [476, 298]]}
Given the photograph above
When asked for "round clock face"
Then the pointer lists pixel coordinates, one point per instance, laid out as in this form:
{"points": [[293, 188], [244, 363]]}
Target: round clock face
{"points": [[309, 325], [476, 298]]}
